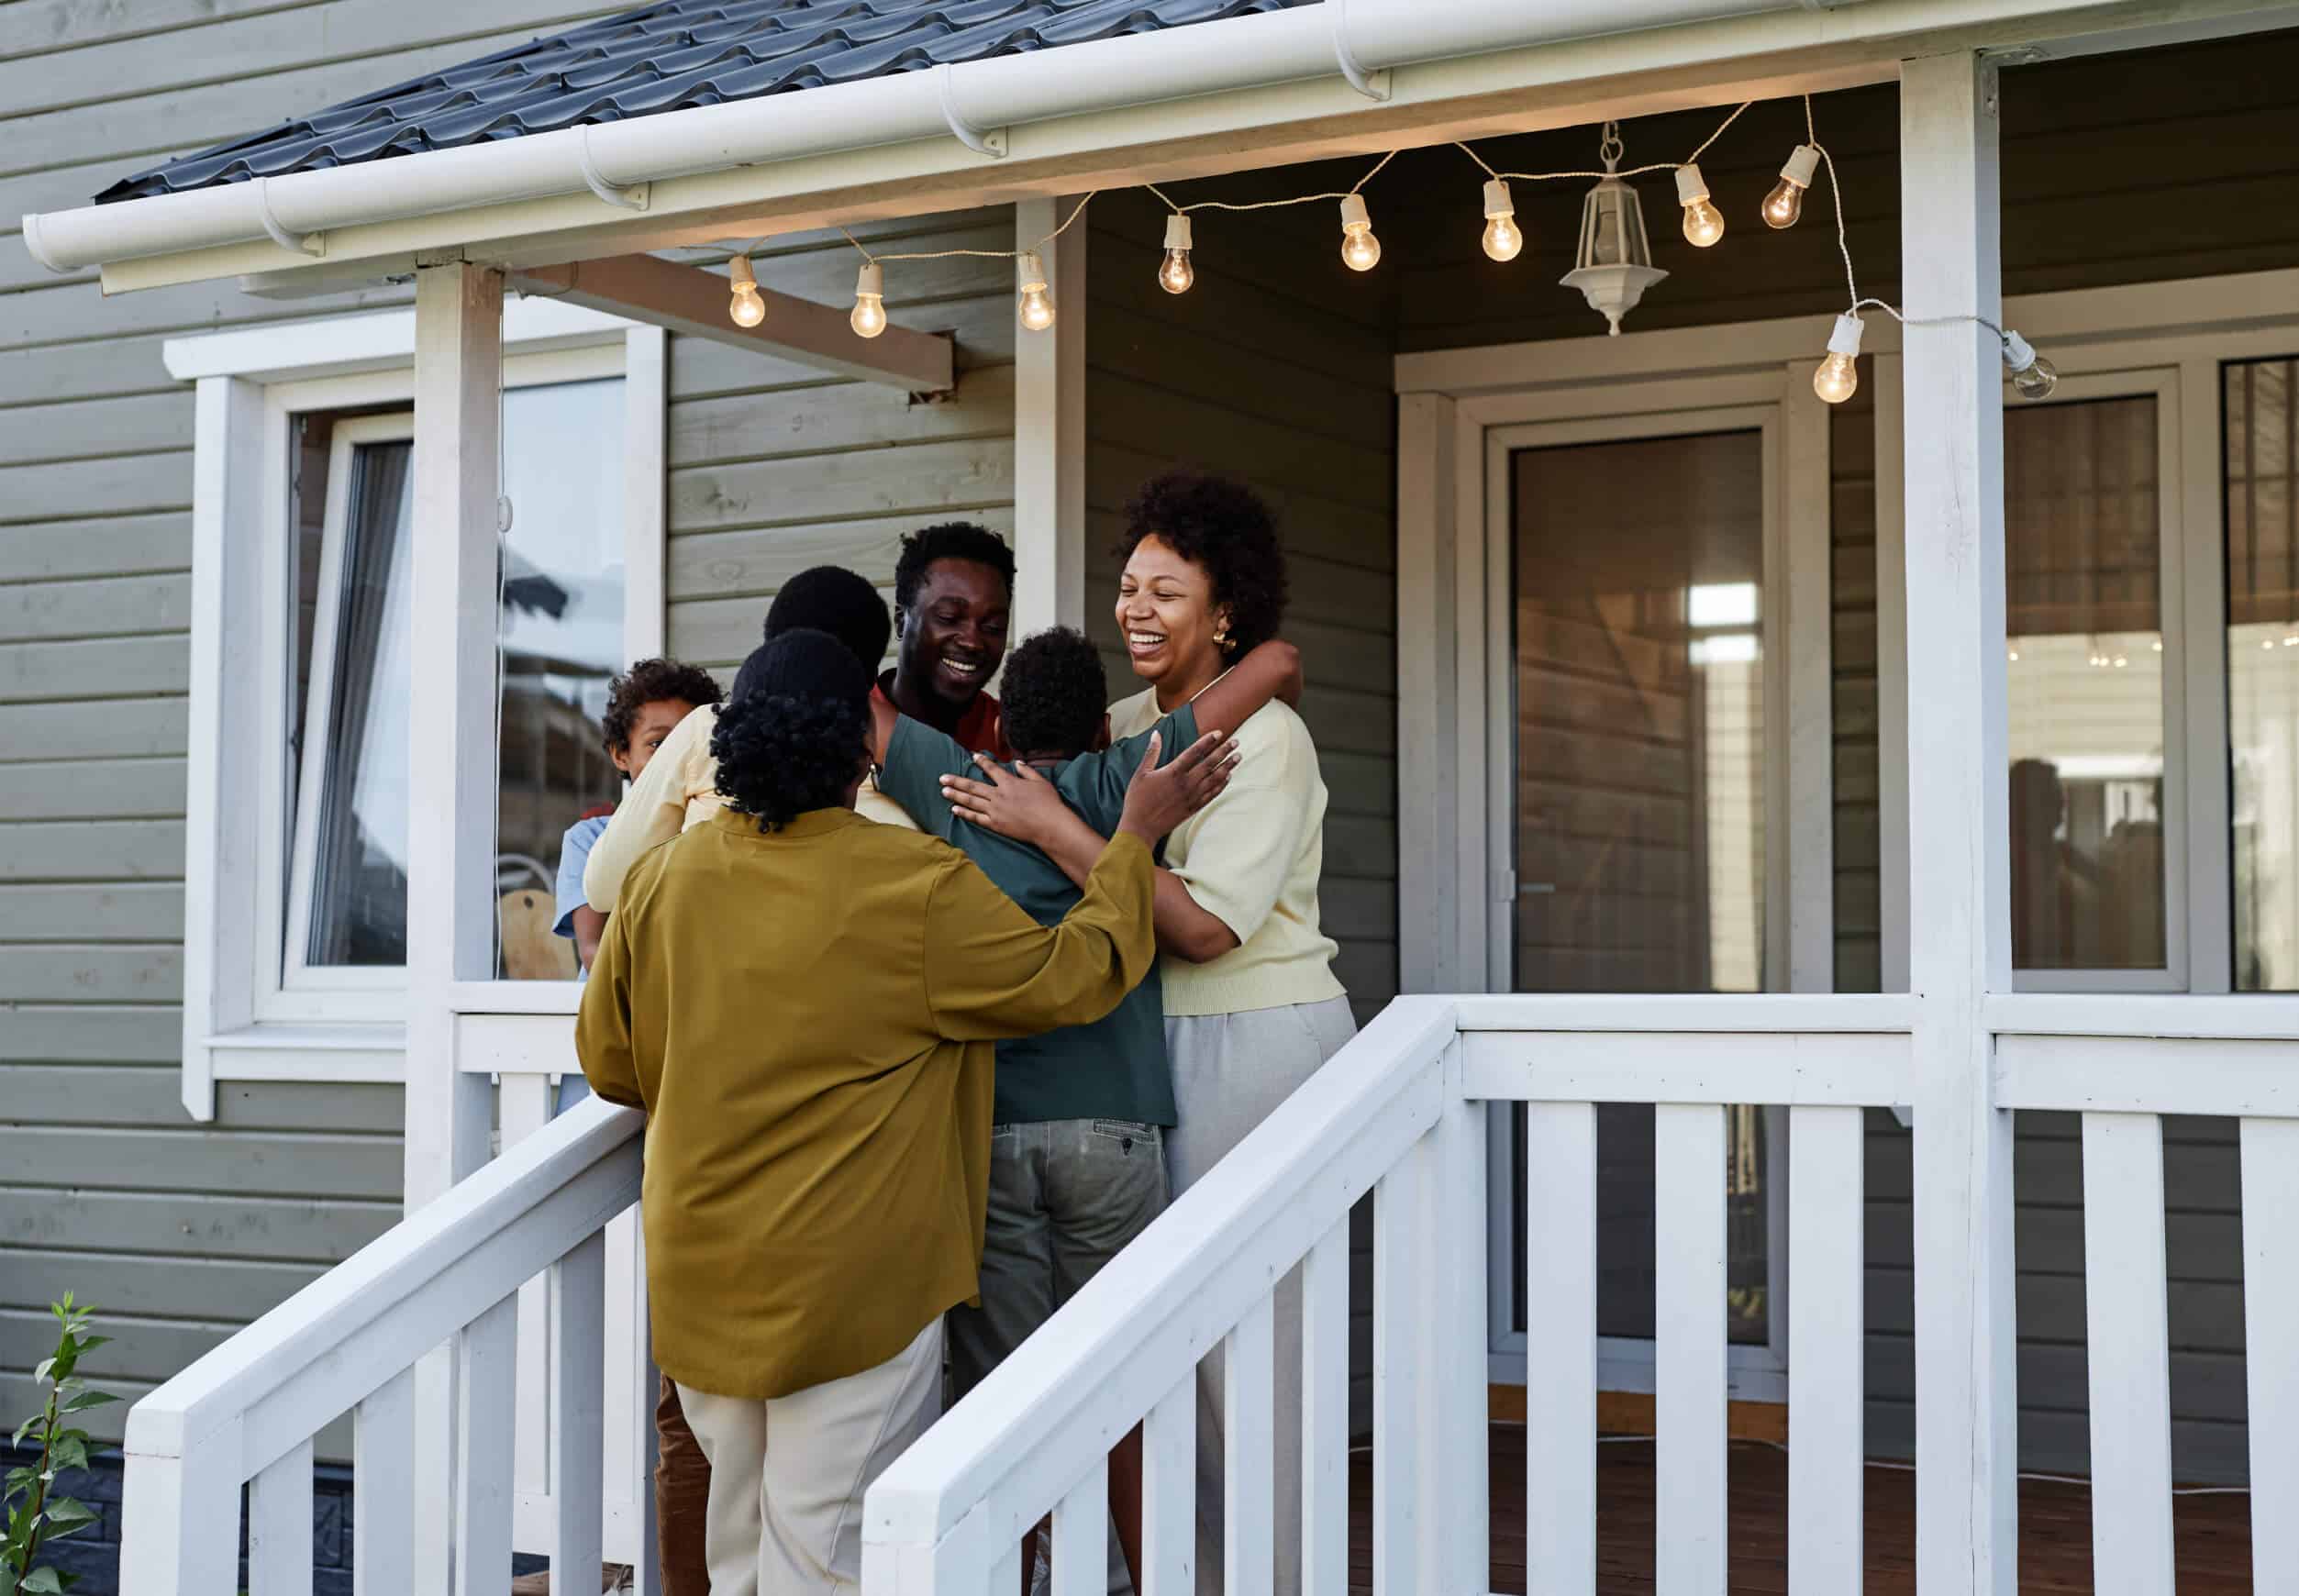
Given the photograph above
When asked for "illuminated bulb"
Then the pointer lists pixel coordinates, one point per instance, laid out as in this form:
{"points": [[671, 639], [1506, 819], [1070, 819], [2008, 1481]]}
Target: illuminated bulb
{"points": [[2121, 661], [1502, 236], [2156, 645], [1360, 252], [1839, 376], [1703, 224], [747, 308], [1175, 273], [2014, 656], [1786, 202], [870, 301], [2033, 377], [1037, 307]]}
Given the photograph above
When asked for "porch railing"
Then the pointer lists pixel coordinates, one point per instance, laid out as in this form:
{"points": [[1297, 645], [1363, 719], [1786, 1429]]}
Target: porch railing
{"points": [[359, 1340]]}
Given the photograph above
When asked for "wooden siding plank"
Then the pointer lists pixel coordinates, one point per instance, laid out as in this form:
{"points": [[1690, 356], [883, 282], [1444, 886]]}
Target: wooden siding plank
{"points": [[158, 480], [137, 425], [280, 1165], [925, 478], [91, 973], [105, 607], [91, 913], [38, 26], [83, 850], [845, 415], [93, 789], [120, 728], [705, 566], [1258, 448], [146, 1094], [112, 667], [170, 1288], [85, 1033], [95, 545], [982, 329], [57, 372], [191, 1224]]}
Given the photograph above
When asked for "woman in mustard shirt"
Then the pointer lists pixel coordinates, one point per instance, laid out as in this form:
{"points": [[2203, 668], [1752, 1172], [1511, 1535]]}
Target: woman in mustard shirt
{"points": [[1252, 1007]]}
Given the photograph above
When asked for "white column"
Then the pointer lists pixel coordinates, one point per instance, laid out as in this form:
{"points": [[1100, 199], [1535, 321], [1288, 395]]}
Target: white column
{"points": [[1960, 941], [1050, 430], [451, 789]]}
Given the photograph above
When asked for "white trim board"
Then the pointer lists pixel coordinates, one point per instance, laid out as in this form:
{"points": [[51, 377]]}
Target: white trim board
{"points": [[337, 346]]}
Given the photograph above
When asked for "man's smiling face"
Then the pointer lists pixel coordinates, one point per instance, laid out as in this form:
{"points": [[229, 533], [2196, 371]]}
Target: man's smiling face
{"points": [[954, 635]]}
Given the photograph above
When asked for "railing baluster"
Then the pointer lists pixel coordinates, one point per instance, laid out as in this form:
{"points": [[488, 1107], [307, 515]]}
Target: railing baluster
{"points": [[1082, 1537], [279, 1526], [1825, 1324], [1249, 1459], [1324, 1413], [487, 1404], [1169, 1494], [1561, 1344], [578, 1428], [383, 1462], [2271, 1323], [1005, 1573], [2130, 1357], [1399, 1395], [1689, 1370]]}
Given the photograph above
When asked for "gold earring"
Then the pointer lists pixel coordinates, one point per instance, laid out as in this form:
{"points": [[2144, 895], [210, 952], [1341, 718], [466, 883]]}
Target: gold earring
{"points": [[1221, 638]]}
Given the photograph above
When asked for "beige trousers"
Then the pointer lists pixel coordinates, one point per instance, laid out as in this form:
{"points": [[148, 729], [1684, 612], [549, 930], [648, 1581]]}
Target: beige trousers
{"points": [[787, 1475]]}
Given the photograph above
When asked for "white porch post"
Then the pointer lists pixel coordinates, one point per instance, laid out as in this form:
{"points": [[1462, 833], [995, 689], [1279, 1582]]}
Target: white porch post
{"points": [[1049, 432], [450, 793], [1959, 943]]}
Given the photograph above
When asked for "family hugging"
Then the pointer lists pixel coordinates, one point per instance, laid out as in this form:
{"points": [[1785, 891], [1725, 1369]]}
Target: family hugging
{"points": [[933, 1001]]}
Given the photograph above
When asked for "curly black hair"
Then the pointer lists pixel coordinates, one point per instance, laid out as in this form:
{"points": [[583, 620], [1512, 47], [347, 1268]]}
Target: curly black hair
{"points": [[830, 598], [1053, 693], [652, 682], [949, 540], [1222, 527], [783, 754]]}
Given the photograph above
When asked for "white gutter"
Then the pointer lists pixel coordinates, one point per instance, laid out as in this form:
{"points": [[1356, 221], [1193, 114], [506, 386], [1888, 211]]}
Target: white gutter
{"points": [[1359, 39]]}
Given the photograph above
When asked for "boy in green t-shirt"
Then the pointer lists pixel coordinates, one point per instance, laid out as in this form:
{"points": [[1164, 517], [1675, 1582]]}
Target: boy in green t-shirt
{"points": [[1077, 1166]]}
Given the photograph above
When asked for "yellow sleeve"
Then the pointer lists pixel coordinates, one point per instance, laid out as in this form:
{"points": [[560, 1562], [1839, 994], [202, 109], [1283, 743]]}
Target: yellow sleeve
{"points": [[1241, 849], [654, 810], [991, 971], [602, 1029]]}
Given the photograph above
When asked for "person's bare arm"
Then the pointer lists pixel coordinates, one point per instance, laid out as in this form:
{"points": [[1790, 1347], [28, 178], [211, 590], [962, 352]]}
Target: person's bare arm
{"points": [[1026, 807], [883, 716], [589, 925], [1270, 670]]}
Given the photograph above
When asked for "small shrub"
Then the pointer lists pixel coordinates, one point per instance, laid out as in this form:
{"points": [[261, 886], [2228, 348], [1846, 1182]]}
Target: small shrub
{"points": [[35, 1514]]}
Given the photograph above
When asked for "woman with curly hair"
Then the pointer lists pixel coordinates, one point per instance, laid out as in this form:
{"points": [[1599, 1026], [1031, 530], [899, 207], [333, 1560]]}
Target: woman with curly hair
{"points": [[805, 1003], [1252, 1008]]}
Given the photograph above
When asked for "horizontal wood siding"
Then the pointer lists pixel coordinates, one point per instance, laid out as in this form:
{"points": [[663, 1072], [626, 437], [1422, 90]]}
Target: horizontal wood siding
{"points": [[775, 467]]}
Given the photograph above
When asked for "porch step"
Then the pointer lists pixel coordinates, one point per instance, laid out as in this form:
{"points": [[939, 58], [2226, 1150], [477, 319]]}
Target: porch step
{"points": [[612, 1577]]}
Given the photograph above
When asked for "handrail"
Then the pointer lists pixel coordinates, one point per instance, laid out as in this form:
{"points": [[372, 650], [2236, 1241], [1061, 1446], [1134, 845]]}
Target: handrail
{"points": [[1139, 1326], [251, 1400]]}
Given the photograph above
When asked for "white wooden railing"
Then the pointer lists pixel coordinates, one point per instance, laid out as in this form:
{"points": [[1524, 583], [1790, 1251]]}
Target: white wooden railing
{"points": [[359, 1340], [1400, 1113]]}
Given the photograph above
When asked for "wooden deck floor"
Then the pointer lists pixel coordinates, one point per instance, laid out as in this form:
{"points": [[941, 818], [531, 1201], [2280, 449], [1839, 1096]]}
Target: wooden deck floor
{"points": [[2214, 1533]]}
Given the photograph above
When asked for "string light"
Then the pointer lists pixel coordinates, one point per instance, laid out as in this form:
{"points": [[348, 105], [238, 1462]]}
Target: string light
{"points": [[1175, 273], [1704, 223], [2033, 377], [1360, 252], [1786, 202], [1037, 304], [1503, 238], [746, 308], [870, 301], [1839, 376]]}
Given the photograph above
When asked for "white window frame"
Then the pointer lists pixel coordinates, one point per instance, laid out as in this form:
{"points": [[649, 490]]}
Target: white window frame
{"points": [[2169, 338], [246, 1016]]}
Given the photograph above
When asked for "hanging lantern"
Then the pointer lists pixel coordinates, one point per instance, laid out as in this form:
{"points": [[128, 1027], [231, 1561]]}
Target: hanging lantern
{"points": [[1613, 266]]}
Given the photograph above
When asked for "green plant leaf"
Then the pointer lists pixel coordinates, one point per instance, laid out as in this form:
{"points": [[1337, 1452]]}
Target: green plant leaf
{"points": [[90, 1343], [68, 1452], [82, 1401], [40, 1370], [42, 1582]]}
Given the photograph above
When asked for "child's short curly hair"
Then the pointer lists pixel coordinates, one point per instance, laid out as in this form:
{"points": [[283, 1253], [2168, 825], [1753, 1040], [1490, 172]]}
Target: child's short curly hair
{"points": [[1224, 529], [1053, 694], [652, 682]]}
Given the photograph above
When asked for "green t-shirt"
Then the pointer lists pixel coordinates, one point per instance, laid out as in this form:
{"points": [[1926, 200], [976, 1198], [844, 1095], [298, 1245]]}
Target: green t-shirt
{"points": [[1114, 1067]]}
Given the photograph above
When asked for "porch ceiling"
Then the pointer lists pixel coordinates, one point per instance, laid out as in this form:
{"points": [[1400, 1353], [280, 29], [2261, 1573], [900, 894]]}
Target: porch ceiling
{"points": [[1244, 83]]}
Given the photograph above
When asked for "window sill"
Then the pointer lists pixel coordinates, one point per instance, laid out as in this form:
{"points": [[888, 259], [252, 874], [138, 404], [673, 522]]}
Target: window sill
{"points": [[343, 1053]]}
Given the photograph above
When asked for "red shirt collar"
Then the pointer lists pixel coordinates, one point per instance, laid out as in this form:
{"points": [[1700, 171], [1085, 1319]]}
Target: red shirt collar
{"points": [[981, 730]]}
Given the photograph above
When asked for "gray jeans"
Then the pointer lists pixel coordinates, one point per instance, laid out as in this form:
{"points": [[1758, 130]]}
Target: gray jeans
{"points": [[1065, 1195]]}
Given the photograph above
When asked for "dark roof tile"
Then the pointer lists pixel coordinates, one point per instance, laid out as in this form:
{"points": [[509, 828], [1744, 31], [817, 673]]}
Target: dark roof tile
{"points": [[666, 57]]}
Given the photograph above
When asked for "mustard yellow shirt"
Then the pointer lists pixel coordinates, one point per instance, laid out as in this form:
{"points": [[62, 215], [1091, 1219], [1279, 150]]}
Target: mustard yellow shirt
{"points": [[1252, 858], [679, 788], [808, 1018]]}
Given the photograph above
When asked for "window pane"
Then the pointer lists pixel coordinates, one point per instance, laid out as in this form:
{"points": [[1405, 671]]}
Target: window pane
{"points": [[358, 893], [2082, 542], [1639, 824], [2262, 463], [561, 640]]}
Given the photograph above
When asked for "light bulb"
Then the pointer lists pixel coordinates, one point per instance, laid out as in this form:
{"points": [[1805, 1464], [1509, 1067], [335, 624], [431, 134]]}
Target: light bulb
{"points": [[746, 308], [1360, 252], [1703, 224], [1503, 238], [1037, 307], [2033, 377], [1786, 202], [870, 301], [1839, 376], [1174, 272]]}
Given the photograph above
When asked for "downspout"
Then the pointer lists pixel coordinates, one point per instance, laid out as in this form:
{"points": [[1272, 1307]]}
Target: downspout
{"points": [[1363, 37]]}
